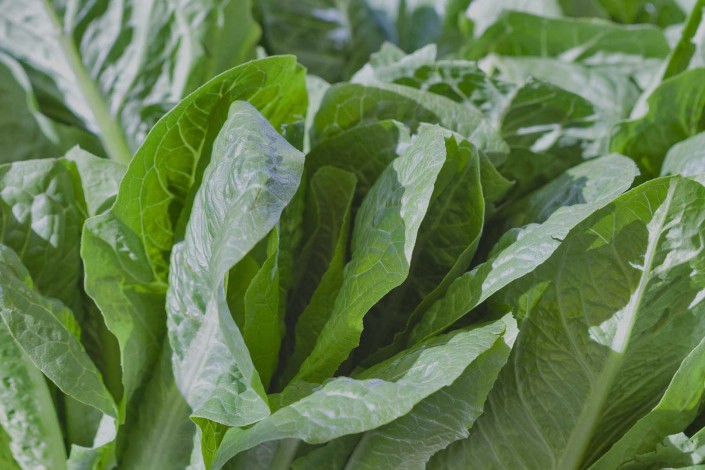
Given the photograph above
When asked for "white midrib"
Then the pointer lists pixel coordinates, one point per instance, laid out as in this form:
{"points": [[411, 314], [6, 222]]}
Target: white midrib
{"points": [[111, 134], [582, 433]]}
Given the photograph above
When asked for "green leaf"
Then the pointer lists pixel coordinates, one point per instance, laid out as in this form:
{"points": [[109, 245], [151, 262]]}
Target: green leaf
{"points": [[28, 420], [445, 246], [675, 112], [35, 323], [99, 179], [661, 12], [547, 119], [485, 13], [601, 181], [332, 39], [414, 24], [678, 406], [115, 68], [383, 240], [331, 456], [458, 80], [574, 40], [252, 176], [410, 441], [560, 127], [326, 226], [331, 193], [43, 212], [625, 282], [261, 330], [364, 150], [6, 459], [682, 54], [41, 220], [130, 244], [611, 92], [163, 435], [349, 105], [377, 396], [23, 133], [686, 158]]}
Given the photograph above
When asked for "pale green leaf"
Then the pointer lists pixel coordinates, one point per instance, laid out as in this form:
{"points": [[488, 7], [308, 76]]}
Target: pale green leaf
{"points": [[252, 176], [686, 158]]}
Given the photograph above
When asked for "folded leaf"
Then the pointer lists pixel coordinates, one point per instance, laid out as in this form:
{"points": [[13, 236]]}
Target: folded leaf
{"points": [[252, 176], [99, 179]]}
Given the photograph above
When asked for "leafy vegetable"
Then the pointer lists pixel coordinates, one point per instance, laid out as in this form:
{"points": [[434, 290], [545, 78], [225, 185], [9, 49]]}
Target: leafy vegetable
{"points": [[461, 234], [112, 69]]}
